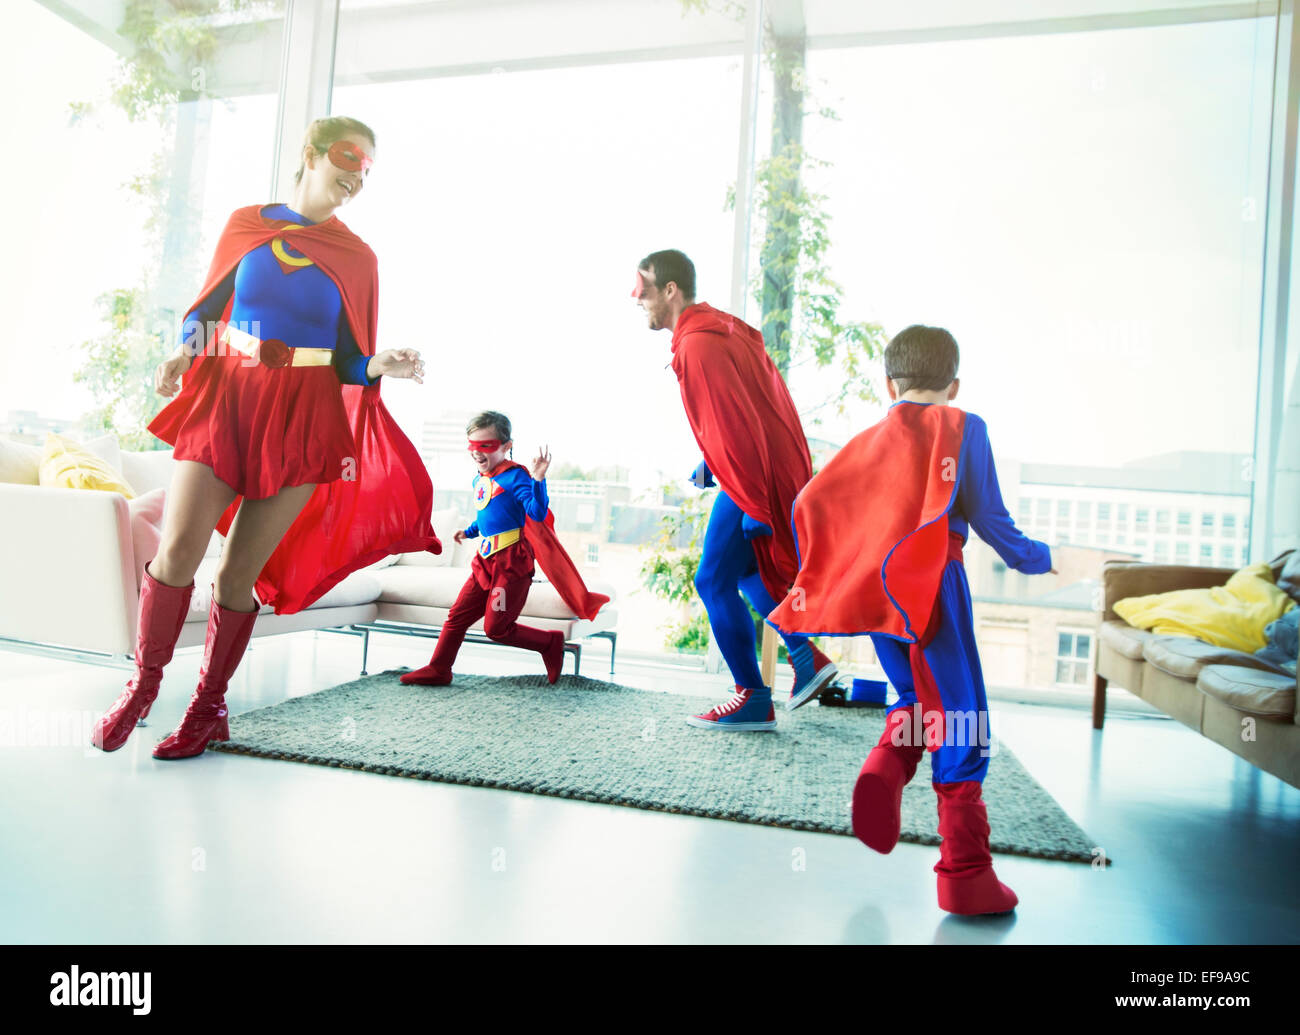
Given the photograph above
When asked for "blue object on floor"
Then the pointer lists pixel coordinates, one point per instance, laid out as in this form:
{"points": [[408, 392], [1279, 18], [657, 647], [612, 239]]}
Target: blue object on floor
{"points": [[872, 690]]}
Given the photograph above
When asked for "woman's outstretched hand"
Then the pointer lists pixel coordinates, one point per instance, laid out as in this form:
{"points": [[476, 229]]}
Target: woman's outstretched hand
{"points": [[397, 363], [541, 464], [167, 378]]}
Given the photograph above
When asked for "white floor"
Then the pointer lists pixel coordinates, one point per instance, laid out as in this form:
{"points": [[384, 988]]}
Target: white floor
{"points": [[121, 848]]}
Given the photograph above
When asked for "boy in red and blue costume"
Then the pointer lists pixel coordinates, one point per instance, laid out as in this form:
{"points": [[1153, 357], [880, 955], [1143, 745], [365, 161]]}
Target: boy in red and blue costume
{"points": [[753, 443], [514, 528], [880, 532]]}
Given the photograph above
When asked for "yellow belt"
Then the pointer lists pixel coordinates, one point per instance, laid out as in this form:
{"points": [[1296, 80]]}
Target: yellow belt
{"points": [[243, 342], [493, 543]]}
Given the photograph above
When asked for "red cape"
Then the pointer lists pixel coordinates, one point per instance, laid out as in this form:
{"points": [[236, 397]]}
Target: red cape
{"points": [[872, 529], [555, 562], [347, 523], [747, 427]]}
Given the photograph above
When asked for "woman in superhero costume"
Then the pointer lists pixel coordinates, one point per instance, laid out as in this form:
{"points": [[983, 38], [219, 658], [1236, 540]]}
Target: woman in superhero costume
{"points": [[281, 440]]}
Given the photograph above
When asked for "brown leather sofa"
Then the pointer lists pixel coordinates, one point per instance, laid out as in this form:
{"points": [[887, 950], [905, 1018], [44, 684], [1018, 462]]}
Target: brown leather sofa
{"points": [[1238, 700]]}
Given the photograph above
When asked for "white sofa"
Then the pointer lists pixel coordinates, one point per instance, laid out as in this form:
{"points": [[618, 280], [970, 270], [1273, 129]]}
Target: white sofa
{"points": [[71, 562]]}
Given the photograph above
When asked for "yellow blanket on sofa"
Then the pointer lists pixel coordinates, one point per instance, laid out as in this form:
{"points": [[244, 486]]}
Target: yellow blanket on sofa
{"points": [[1232, 615]]}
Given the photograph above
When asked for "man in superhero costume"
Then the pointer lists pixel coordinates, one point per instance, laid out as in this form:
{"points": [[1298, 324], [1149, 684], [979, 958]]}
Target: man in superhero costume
{"points": [[514, 525], [753, 443], [880, 532]]}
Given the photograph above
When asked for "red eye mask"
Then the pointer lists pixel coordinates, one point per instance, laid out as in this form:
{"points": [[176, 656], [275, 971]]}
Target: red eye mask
{"points": [[639, 289], [487, 445], [349, 157]]}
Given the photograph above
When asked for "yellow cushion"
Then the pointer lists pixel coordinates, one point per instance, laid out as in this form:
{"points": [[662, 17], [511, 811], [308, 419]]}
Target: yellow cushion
{"points": [[1232, 615], [66, 464]]}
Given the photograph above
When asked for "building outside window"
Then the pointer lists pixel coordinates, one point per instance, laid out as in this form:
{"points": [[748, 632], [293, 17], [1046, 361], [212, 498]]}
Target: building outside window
{"points": [[1162, 522], [1207, 553], [1184, 522], [1143, 519], [1073, 652], [593, 553], [1182, 553]]}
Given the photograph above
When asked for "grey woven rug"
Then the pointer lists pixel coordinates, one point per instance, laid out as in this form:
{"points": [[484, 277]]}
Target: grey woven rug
{"points": [[597, 741]]}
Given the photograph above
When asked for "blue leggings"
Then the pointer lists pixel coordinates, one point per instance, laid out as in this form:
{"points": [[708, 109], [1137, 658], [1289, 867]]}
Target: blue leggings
{"points": [[954, 659], [728, 569]]}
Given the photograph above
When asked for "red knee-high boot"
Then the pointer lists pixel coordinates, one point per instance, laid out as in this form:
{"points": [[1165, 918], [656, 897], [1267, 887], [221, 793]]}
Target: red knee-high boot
{"points": [[158, 626], [878, 794], [205, 718], [967, 883]]}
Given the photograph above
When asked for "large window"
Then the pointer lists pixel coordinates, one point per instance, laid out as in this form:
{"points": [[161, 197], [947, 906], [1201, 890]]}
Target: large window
{"points": [[1084, 209], [119, 213], [1054, 201], [526, 161]]}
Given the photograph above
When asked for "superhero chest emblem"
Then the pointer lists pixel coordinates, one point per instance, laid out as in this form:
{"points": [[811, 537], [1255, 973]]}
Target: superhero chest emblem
{"points": [[289, 258], [485, 491]]}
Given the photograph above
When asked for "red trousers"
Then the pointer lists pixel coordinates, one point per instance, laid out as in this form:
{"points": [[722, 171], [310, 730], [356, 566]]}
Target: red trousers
{"points": [[495, 591]]}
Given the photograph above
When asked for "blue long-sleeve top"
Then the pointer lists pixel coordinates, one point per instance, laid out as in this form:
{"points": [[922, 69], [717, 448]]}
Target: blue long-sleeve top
{"points": [[505, 499], [301, 307], [979, 503]]}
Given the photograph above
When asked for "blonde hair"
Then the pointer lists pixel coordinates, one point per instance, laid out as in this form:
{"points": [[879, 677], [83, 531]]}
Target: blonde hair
{"points": [[323, 132]]}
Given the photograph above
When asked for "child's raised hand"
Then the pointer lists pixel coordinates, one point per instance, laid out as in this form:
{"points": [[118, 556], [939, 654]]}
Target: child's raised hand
{"points": [[459, 536], [541, 463]]}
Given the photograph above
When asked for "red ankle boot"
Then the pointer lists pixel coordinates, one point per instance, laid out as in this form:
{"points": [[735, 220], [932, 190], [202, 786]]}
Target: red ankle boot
{"points": [[967, 883], [431, 675], [553, 656], [205, 718], [878, 794], [158, 626]]}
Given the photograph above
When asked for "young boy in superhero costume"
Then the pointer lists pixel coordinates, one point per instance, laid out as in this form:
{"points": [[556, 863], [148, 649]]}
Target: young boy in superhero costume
{"points": [[753, 443], [513, 526], [880, 532]]}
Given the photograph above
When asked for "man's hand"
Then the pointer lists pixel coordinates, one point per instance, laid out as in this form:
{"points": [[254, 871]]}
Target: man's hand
{"points": [[397, 363], [541, 464]]}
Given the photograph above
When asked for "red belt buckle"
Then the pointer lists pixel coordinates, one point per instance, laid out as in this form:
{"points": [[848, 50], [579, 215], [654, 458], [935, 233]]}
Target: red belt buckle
{"points": [[274, 353]]}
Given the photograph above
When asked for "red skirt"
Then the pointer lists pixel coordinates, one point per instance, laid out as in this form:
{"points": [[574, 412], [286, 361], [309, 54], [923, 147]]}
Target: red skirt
{"points": [[260, 429]]}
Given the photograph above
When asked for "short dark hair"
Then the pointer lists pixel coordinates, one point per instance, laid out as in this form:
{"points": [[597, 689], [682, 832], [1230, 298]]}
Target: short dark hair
{"points": [[498, 422], [671, 265], [922, 358]]}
